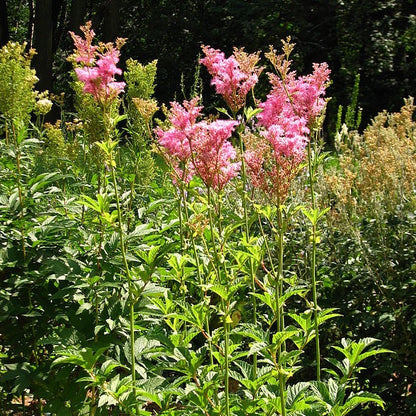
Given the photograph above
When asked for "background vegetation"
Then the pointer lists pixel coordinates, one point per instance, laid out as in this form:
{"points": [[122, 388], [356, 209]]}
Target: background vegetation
{"points": [[61, 284], [374, 38]]}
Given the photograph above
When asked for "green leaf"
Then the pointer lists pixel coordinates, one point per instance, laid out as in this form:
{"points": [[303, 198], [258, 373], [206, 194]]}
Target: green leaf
{"points": [[42, 180], [295, 393], [360, 398], [220, 291], [252, 331], [223, 111], [250, 112]]}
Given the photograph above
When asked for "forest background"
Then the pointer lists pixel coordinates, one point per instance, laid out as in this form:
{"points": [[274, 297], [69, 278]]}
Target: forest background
{"points": [[376, 39]]}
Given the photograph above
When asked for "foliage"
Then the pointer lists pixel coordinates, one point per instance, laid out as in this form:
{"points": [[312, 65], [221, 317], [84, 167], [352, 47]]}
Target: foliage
{"points": [[371, 236], [184, 292], [17, 79]]}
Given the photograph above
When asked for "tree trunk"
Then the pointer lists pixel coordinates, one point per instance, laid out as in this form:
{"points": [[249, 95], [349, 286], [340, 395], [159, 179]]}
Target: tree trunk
{"points": [[59, 11], [111, 22], [77, 15], [42, 42], [4, 26]]}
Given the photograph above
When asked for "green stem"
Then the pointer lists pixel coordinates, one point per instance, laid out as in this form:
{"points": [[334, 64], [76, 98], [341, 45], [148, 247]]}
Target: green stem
{"points": [[181, 222], [279, 281], [279, 309], [198, 270], [130, 285], [311, 169], [269, 253], [225, 309], [227, 364], [282, 393], [213, 239], [313, 265], [131, 199], [20, 192], [315, 304], [247, 230]]}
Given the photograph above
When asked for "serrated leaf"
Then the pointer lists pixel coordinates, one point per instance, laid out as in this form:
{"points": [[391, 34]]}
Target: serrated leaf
{"points": [[360, 398], [295, 393], [252, 331]]}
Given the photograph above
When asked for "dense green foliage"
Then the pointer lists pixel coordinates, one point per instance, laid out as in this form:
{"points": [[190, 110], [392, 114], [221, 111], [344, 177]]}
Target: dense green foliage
{"points": [[124, 293]]}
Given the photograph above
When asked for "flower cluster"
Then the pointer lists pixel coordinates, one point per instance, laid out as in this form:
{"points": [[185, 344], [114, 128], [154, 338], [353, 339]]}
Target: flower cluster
{"points": [[99, 66], [288, 114], [213, 153], [233, 77], [199, 147], [271, 170], [17, 81], [273, 150], [298, 98]]}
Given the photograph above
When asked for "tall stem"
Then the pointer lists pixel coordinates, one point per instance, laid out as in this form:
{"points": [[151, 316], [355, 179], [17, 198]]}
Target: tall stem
{"points": [[20, 190], [279, 309], [130, 286], [315, 304], [279, 280], [132, 300], [282, 393], [198, 270], [227, 364], [247, 232], [225, 309], [311, 168], [213, 239], [181, 220], [278, 283]]}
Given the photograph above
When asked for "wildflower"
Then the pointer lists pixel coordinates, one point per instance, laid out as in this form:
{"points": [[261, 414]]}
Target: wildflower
{"points": [[86, 52], [233, 77], [288, 114], [270, 168], [199, 147], [177, 139], [99, 66], [146, 107], [43, 106], [294, 97], [213, 153], [17, 80]]}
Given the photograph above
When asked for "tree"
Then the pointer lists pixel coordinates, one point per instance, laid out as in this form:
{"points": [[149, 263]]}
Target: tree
{"points": [[4, 25], [42, 42]]}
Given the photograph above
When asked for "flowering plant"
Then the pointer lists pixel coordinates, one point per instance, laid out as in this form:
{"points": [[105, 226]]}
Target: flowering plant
{"points": [[98, 69], [187, 309], [199, 147], [233, 77]]}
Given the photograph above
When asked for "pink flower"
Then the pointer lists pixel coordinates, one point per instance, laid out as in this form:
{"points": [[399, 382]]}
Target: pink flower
{"points": [[99, 70], [177, 140], [291, 108], [289, 142], [233, 77], [200, 148], [296, 97], [85, 50], [185, 116], [213, 153], [289, 111], [272, 162]]}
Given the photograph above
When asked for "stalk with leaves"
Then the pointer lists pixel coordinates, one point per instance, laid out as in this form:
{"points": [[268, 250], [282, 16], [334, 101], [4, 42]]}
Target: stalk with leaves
{"points": [[97, 73]]}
